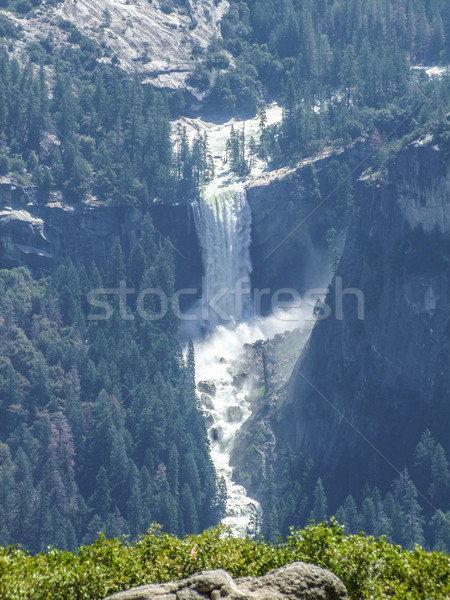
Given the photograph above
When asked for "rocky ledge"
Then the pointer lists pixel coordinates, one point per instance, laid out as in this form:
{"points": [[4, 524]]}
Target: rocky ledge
{"points": [[299, 581]]}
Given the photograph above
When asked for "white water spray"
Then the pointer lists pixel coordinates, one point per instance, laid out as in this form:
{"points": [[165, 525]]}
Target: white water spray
{"points": [[223, 224], [223, 221], [228, 407]]}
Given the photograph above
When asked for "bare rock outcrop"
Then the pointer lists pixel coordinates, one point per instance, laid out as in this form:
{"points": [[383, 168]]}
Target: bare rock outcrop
{"points": [[295, 581]]}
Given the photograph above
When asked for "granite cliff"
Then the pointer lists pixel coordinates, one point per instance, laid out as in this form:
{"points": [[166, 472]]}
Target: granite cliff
{"points": [[367, 385], [41, 236]]}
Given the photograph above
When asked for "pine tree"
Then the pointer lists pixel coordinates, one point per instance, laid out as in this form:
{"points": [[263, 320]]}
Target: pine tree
{"points": [[220, 500], [115, 268], [319, 511], [136, 265], [189, 510], [100, 502], [348, 73], [134, 506], [289, 123], [369, 516], [414, 521], [147, 239], [352, 518], [423, 455], [173, 470], [440, 523], [440, 477]]}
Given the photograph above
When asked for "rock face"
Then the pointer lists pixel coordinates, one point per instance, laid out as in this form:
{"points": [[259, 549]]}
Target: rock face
{"points": [[42, 235], [156, 39], [239, 380], [384, 377], [296, 581], [289, 248]]}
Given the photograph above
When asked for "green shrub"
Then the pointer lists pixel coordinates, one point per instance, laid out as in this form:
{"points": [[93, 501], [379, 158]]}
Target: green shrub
{"points": [[370, 568]]}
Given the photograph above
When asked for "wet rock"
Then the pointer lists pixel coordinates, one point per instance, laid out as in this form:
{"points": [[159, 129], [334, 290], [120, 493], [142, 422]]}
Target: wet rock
{"points": [[209, 419], [206, 401], [296, 581], [234, 414], [239, 380], [215, 434], [208, 387]]}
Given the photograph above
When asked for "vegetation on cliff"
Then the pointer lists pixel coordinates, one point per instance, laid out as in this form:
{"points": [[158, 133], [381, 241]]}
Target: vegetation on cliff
{"points": [[72, 121]]}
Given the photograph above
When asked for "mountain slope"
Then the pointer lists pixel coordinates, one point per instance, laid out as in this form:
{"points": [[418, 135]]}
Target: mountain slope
{"points": [[154, 39]]}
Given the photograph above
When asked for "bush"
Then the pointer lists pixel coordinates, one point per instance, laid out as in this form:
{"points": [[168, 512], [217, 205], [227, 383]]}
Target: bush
{"points": [[23, 6], [369, 568], [4, 164]]}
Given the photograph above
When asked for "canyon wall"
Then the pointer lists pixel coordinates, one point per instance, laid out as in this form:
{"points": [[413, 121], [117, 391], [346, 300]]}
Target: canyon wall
{"points": [[366, 387]]}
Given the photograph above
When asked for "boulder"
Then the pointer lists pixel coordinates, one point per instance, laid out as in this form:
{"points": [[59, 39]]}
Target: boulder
{"points": [[207, 387], [239, 380], [296, 581], [208, 418], [234, 414], [206, 401]]}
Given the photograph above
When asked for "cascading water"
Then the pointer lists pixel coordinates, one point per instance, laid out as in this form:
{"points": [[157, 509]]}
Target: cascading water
{"points": [[223, 221], [223, 224]]}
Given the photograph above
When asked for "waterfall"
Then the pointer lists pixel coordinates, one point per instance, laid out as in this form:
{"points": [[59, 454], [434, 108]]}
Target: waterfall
{"points": [[226, 408], [223, 221], [223, 224]]}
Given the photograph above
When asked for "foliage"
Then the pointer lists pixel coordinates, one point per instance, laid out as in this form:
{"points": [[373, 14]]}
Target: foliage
{"points": [[192, 163], [400, 513], [369, 567], [332, 66], [24, 6], [236, 152], [99, 428], [91, 130]]}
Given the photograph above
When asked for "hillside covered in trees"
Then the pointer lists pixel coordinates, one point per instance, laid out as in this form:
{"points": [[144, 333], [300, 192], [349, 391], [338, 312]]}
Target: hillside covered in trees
{"points": [[99, 426], [72, 121]]}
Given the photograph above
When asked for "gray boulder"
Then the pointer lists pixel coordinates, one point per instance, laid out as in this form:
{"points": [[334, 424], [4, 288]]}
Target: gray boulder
{"points": [[206, 401], [234, 414], [207, 387], [296, 581], [239, 380]]}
